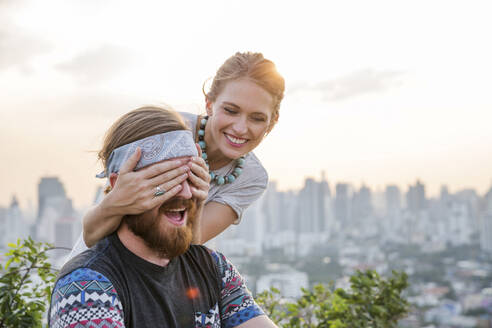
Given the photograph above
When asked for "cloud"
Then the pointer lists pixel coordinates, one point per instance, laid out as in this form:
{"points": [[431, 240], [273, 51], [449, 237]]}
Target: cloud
{"points": [[17, 46], [352, 85], [97, 65]]}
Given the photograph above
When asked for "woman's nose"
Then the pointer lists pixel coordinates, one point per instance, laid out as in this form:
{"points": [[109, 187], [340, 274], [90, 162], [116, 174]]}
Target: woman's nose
{"points": [[240, 126]]}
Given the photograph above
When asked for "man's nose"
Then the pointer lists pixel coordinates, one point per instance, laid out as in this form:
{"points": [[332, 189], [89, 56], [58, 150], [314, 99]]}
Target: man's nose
{"points": [[185, 192]]}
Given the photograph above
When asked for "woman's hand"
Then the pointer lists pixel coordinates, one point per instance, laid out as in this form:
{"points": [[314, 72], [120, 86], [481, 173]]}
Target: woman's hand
{"points": [[199, 177], [133, 191]]}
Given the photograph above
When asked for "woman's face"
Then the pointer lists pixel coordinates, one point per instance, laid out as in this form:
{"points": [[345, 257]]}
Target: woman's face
{"points": [[239, 118]]}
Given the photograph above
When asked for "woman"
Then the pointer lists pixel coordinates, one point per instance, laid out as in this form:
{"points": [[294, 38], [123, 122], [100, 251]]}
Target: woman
{"points": [[242, 107]]}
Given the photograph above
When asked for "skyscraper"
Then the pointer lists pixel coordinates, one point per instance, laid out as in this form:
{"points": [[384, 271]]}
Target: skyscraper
{"points": [[48, 187], [342, 204], [324, 204], [393, 201], [416, 200], [362, 204], [486, 224], [55, 222], [308, 207], [3, 228]]}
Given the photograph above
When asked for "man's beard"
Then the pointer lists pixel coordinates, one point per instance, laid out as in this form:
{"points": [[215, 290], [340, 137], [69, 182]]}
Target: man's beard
{"points": [[169, 241]]}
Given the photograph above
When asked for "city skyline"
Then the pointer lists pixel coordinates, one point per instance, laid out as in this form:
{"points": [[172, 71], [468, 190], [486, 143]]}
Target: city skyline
{"points": [[319, 234], [35, 206], [372, 96]]}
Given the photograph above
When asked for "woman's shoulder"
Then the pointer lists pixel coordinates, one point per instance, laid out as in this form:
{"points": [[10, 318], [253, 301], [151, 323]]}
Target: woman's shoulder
{"points": [[190, 119], [253, 165], [253, 175]]}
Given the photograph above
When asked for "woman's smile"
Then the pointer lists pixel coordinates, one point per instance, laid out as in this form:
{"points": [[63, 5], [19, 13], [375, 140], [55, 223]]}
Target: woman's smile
{"points": [[235, 141]]}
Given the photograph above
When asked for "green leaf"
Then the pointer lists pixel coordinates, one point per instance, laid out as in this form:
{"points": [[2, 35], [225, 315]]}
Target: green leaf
{"points": [[8, 262]]}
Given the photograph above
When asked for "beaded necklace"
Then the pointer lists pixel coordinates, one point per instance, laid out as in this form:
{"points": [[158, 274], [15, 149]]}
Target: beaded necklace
{"points": [[218, 179]]}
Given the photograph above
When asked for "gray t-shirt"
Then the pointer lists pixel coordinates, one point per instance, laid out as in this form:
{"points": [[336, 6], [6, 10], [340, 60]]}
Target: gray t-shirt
{"points": [[247, 188]]}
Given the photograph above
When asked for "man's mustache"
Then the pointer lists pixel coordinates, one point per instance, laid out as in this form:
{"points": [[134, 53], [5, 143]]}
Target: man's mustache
{"points": [[178, 203]]}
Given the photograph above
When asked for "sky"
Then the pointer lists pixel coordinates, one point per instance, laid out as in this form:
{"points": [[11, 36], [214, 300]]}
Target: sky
{"points": [[378, 92]]}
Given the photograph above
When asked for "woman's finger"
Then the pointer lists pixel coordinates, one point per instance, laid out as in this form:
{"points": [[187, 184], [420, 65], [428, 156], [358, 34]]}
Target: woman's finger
{"points": [[169, 175], [148, 200], [198, 181], [131, 162], [168, 185], [200, 172], [159, 200], [159, 168]]}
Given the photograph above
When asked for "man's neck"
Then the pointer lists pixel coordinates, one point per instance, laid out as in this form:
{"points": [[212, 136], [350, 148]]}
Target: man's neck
{"points": [[137, 246]]}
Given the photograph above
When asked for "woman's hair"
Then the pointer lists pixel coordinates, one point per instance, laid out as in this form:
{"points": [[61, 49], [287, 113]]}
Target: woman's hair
{"points": [[138, 124], [253, 66]]}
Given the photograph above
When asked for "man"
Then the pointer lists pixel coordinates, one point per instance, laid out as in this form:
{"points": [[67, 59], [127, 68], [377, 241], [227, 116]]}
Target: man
{"points": [[146, 274]]}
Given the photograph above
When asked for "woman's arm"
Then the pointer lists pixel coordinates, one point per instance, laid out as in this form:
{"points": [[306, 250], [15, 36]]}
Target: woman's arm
{"points": [[199, 177], [98, 222], [133, 193], [226, 206], [215, 218]]}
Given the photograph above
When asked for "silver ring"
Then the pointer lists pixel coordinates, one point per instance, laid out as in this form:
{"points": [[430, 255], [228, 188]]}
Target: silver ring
{"points": [[159, 191]]}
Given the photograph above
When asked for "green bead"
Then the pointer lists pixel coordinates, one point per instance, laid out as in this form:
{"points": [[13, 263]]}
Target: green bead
{"points": [[201, 132], [204, 155], [220, 180], [212, 176], [231, 178], [203, 121], [202, 144], [238, 170], [240, 161]]}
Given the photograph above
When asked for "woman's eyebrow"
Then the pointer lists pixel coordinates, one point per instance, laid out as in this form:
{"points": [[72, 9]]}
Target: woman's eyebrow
{"points": [[230, 104]]}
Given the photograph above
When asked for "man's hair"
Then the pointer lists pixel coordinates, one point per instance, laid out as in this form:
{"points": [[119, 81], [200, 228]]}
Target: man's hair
{"points": [[138, 124]]}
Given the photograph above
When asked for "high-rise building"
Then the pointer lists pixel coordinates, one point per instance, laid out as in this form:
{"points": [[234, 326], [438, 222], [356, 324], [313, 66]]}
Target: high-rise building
{"points": [[472, 201], [342, 204], [13, 223], [416, 200], [486, 224], [271, 206], [3, 228], [362, 204], [48, 187], [314, 207], [55, 222], [308, 207], [325, 215], [393, 201]]}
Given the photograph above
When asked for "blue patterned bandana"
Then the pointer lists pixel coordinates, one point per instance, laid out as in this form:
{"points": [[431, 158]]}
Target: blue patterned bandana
{"points": [[155, 149]]}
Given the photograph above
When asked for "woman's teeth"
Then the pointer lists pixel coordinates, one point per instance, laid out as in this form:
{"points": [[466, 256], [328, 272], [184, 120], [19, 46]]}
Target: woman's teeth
{"points": [[236, 140]]}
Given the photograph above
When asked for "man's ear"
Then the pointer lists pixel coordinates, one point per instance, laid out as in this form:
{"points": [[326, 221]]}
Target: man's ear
{"points": [[112, 179]]}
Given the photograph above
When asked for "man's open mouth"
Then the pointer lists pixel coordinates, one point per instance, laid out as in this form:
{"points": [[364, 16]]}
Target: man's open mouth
{"points": [[176, 216]]}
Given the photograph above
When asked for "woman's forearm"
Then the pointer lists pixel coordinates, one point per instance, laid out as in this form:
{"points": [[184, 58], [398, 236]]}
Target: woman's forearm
{"points": [[214, 219], [100, 221], [197, 228]]}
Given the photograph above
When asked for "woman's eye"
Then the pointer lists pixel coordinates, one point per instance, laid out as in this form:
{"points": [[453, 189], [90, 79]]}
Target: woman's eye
{"points": [[230, 111], [259, 119]]}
